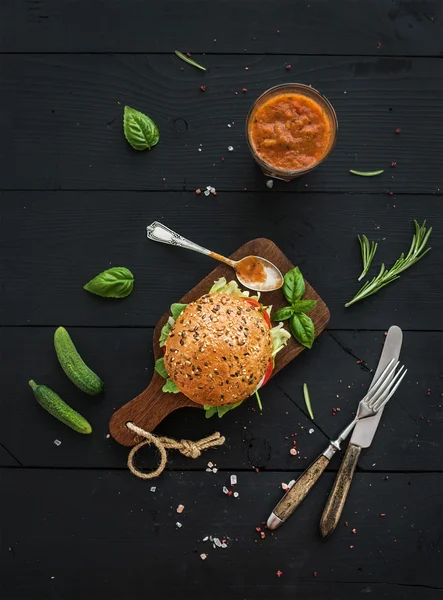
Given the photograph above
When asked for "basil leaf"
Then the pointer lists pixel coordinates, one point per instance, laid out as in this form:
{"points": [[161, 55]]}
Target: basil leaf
{"points": [[177, 309], [302, 306], [140, 131], [160, 368], [302, 329], [117, 282], [165, 331], [283, 313], [294, 285], [170, 387]]}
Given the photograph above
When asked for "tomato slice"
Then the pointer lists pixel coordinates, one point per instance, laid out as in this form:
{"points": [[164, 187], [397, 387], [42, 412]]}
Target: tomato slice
{"points": [[258, 305], [268, 372], [252, 302], [267, 318]]}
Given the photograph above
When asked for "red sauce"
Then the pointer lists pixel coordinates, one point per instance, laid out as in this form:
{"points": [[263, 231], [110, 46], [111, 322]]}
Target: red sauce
{"points": [[290, 132], [251, 270]]}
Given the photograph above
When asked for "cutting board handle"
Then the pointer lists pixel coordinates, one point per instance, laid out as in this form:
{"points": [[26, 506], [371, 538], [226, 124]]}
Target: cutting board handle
{"points": [[146, 410]]}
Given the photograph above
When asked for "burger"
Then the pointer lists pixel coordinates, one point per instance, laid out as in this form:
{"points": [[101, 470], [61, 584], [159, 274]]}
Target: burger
{"points": [[219, 349]]}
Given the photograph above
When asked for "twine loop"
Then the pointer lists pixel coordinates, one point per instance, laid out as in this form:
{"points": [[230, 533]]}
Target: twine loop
{"points": [[186, 447]]}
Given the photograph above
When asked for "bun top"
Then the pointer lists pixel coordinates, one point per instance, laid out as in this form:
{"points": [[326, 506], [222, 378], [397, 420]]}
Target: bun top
{"points": [[218, 349]]}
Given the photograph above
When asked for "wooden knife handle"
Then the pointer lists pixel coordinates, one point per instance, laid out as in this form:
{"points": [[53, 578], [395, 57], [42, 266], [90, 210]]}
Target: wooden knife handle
{"points": [[300, 489], [337, 498]]}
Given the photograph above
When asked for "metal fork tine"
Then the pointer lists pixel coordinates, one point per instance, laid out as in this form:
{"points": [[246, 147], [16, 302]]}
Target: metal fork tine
{"points": [[388, 371], [397, 380], [381, 384]]}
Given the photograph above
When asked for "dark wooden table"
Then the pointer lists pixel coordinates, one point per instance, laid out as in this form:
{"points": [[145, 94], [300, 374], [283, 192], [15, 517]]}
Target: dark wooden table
{"points": [[75, 199]]}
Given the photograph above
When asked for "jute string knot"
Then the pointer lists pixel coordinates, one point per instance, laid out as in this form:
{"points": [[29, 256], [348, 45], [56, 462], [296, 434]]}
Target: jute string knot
{"points": [[186, 447]]}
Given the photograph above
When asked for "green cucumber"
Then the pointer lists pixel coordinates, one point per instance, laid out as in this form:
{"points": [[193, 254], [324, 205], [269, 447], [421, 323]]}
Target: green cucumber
{"points": [[74, 366], [59, 409]]}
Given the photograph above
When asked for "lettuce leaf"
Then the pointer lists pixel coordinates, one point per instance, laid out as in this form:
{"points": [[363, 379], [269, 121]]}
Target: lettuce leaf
{"points": [[177, 309], [160, 368], [165, 331], [170, 387], [220, 410], [279, 337], [222, 286]]}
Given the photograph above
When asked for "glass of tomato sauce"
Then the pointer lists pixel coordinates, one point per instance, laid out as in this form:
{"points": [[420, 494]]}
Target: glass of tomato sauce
{"points": [[291, 129]]}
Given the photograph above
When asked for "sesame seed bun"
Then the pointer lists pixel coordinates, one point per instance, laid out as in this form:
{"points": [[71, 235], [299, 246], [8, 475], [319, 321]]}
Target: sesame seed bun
{"points": [[218, 349]]}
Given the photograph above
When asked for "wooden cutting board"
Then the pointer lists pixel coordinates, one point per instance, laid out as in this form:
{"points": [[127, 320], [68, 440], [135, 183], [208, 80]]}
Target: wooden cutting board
{"points": [[150, 407]]}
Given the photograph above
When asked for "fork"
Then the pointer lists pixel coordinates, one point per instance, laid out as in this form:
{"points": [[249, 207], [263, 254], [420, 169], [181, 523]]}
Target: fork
{"points": [[377, 397]]}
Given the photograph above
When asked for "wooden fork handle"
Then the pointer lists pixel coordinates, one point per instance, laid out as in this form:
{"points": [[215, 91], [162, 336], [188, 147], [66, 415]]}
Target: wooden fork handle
{"points": [[298, 492], [337, 498]]}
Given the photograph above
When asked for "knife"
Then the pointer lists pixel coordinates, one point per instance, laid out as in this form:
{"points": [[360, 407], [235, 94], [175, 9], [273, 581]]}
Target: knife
{"points": [[362, 437]]}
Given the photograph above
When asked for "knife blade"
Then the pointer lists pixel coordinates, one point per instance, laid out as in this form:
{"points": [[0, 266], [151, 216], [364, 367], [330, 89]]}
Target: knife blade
{"points": [[365, 429], [362, 437]]}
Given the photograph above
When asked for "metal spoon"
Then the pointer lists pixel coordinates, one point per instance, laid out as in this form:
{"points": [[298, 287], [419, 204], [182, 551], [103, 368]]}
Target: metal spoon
{"points": [[254, 272]]}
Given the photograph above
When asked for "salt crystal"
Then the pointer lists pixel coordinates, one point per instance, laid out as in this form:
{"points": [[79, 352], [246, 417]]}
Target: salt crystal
{"points": [[284, 486], [153, 488], [210, 464], [217, 542], [230, 148], [270, 183], [233, 479], [208, 187], [224, 545], [179, 524], [229, 125], [212, 189], [291, 483], [311, 431], [214, 470], [180, 508], [236, 494], [293, 451], [205, 539], [199, 149], [57, 442], [225, 490], [206, 192], [108, 436], [203, 556]]}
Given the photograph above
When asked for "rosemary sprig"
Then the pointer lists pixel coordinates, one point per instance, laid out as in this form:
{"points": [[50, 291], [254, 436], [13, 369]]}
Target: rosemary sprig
{"points": [[189, 60], [308, 400], [416, 252], [368, 250], [257, 395], [367, 173]]}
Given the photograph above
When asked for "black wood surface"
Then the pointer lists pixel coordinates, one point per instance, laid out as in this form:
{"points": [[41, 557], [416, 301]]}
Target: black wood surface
{"points": [[67, 238], [62, 115], [122, 538], [227, 26], [75, 199], [407, 440]]}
